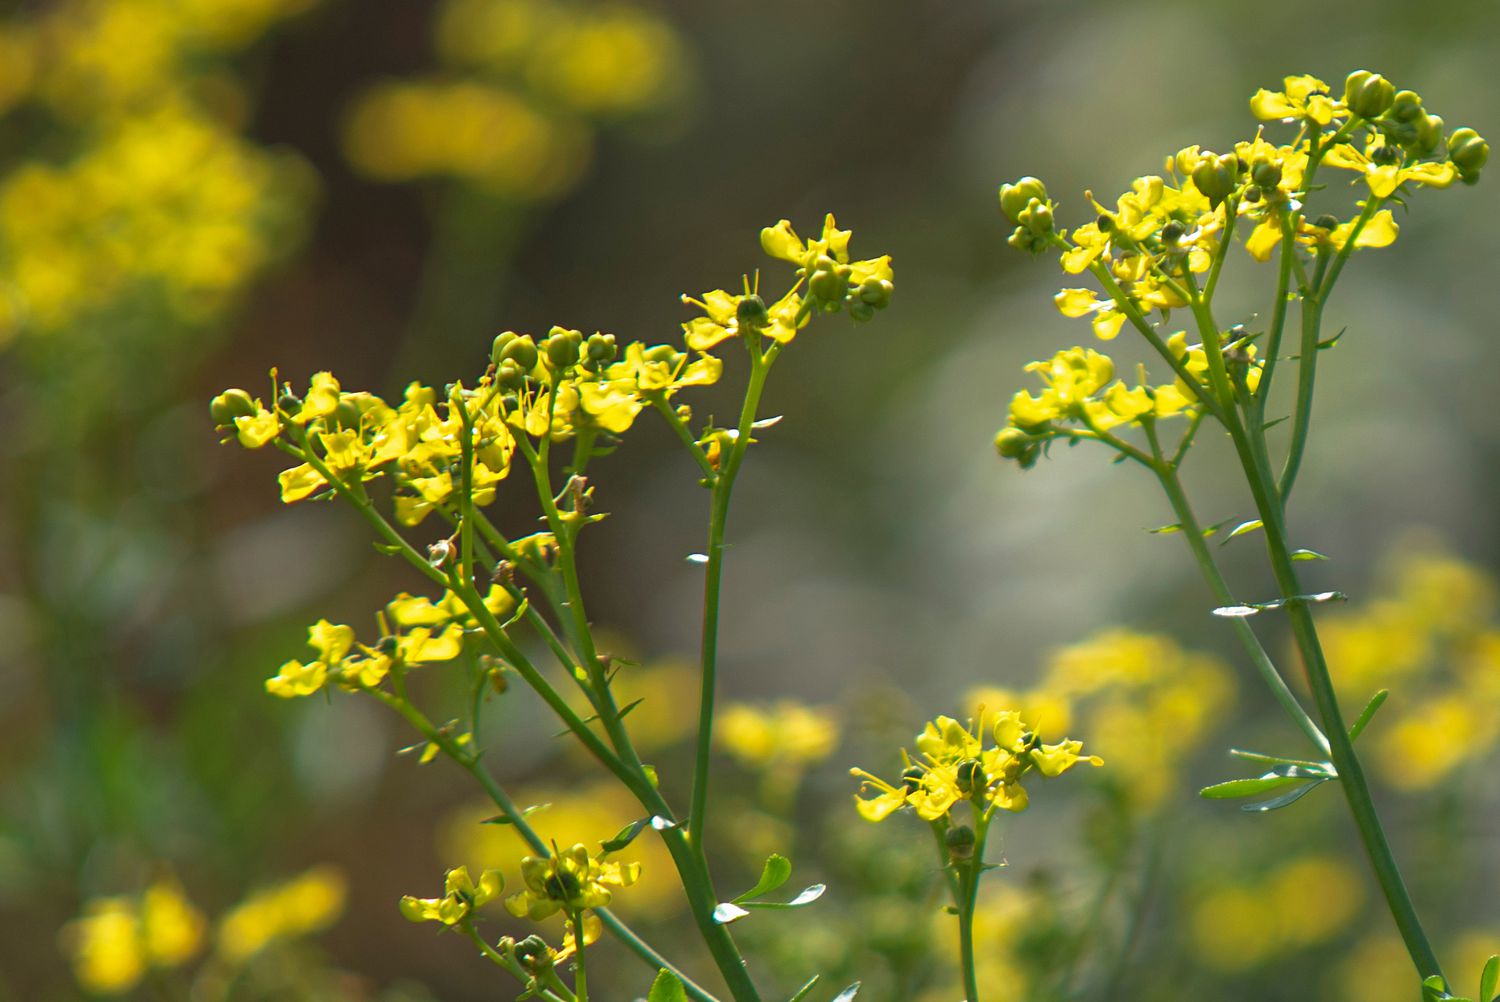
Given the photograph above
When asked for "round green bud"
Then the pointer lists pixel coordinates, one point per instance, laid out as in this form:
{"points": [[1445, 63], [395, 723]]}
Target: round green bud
{"points": [[1037, 217], [876, 292], [1173, 232], [231, 404], [960, 842], [289, 401], [1252, 194], [1022, 239], [1014, 198], [826, 285], [1468, 151], [1267, 175], [561, 353], [1012, 443], [1429, 135], [911, 778], [861, 311], [1216, 177], [970, 775], [521, 351], [497, 347], [1326, 221], [386, 645], [663, 353], [346, 415], [601, 348], [509, 377], [1405, 107], [1367, 94], [1385, 155], [533, 954], [751, 313]]}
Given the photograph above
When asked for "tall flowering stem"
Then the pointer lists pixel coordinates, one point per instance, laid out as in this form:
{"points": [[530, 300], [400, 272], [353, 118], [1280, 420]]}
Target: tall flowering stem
{"points": [[1162, 248]]}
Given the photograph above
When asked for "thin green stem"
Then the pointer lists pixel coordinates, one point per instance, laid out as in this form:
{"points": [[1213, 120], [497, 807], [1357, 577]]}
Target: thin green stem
{"points": [[685, 435], [969, 873], [1288, 254], [723, 489], [580, 965], [510, 965]]}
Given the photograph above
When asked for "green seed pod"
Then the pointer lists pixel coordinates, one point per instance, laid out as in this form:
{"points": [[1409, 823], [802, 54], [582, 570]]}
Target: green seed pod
{"points": [[289, 401], [1014, 198], [1267, 175], [970, 775], [1326, 221], [1216, 177], [1367, 94], [601, 348], [1468, 151], [509, 377], [562, 348], [960, 843], [521, 351], [860, 312], [533, 954], [911, 778], [1385, 155], [229, 405], [346, 415], [751, 313]]}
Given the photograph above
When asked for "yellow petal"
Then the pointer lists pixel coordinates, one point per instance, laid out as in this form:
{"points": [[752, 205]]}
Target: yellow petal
{"points": [[299, 481], [1270, 106], [1263, 240], [1107, 325], [1076, 302]]}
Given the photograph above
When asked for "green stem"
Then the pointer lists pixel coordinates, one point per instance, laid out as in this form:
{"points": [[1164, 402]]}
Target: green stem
{"points": [[506, 963], [1287, 255], [580, 966], [1269, 504], [966, 901], [1192, 531], [685, 435], [723, 488]]}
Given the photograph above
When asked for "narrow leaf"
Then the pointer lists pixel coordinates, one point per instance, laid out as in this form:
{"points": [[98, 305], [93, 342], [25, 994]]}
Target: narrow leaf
{"points": [[660, 823], [1284, 800], [777, 871], [389, 549], [666, 988], [1281, 776], [501, 819], [1209, 530], [697, 558], [726, 912], [1254, 756], [802, 992], [1308, 555], [1365, 715], [1236, 611], [1162, 530], [1273, 423], [807, 897], [847, 993], [1243, 528], [625, 836]]}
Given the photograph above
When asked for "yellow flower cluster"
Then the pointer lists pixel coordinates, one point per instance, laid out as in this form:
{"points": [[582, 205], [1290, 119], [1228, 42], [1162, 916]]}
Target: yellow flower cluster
{"points": [[118, 939], [1434, 639], [153, 197], [513, 116], [953, 765], [461, 895], [556, 388], [425, 633], [1142, 698], [786, 735]]}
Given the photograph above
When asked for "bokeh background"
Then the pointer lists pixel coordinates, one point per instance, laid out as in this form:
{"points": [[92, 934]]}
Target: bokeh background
{"points": [[194, 191]]}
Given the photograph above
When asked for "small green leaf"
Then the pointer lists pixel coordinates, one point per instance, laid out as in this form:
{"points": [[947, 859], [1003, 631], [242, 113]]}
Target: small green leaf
{"points": [[389, 549], [1365, 715], [777, 871], [847, 993], [726, 912], [501, 819], [1285, 800], [1163, 530], [1307, 555], [1489, 979], [1434, 988], [625, 835], [802, 992], [1268, 783], [1282, 760], [1243, 528], [667, 988], [1273, 423]]}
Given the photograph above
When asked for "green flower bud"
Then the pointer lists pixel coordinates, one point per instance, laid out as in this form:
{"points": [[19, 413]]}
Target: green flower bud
{"points": [[346, 415], [960, 843], [229, 405], [1326, 221], [826, 284], [751, 313], [1014, 198], [876, 292], [1407, 106], [1385, 155], [497, 347], [1216, 177], [533, 954], [1037, 217], [1367, 94], [1252, 194], [1468, 151], [1429, 134], [663, 353], [509, 377], [562, 347], [1012, 443], [601, 348], [1266, 175], [1022, 239], [289, 402], [521, 351], [861, 312]]}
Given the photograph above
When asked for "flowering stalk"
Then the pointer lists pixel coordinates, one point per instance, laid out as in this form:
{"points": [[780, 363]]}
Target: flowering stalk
{"points": [[1148, 254]]}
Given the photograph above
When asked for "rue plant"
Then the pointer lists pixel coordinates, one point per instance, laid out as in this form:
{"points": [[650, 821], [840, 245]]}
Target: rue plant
{"points": [[1158, 254], [543, 409]]}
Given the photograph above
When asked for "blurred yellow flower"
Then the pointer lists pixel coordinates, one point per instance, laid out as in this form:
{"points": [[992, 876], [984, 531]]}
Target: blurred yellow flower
{"points": [[785, 734], [118, 939], [308, 903]]}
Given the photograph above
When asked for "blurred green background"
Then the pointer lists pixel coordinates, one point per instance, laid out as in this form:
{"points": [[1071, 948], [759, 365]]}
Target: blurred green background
{"points": [[194, 191]]}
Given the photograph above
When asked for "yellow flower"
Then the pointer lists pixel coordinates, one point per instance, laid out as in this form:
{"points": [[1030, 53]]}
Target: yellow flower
{"points": [[460, 897], [786, 735], [118, 939], [729, 316], [308, 903], [1384, 175], [571, 880], [1302, 97]]}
